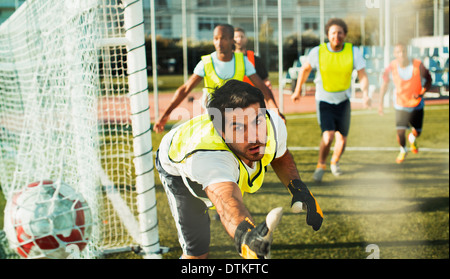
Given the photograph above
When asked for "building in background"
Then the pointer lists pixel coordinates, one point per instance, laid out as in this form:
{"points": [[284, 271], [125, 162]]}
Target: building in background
{"points": [[203, 15], [424, 17], [7, 8]]}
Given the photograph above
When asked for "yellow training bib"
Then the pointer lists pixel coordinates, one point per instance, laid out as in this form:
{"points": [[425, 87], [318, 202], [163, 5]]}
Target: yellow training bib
{"points": [[212, 79], [336, 68], [199, 134]]}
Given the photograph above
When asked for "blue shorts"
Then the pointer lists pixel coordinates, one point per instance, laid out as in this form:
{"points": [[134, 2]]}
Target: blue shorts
{"points": [[333, 117]]}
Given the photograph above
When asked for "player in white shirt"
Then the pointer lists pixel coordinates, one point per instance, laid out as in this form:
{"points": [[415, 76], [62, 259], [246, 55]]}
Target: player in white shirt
{"points": [[221, 65], [213, 159], [335, 62]]}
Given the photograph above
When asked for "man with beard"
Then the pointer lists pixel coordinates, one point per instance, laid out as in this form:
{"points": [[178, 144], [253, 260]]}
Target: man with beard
{"points": [[213, 159], [335, 62]]}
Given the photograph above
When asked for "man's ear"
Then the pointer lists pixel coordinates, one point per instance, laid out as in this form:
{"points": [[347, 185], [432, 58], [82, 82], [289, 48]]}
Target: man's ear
{"points": [[216, 117]]}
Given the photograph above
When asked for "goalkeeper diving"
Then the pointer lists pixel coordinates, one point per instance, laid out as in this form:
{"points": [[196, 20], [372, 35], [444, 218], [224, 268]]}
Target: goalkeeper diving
{"points": [[213, 159]]}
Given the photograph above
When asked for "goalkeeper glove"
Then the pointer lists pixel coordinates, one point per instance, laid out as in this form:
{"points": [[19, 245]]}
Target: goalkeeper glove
{"points": [[253, 242], [302, 196]]}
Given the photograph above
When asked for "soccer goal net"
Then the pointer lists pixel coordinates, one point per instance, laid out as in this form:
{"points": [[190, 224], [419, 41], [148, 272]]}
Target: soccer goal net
{"points": [[74, 107]]}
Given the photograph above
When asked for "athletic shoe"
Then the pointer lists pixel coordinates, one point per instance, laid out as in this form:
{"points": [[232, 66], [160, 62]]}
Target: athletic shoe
{"points": [[318, 173], [335, 169], [400, 157], [413, 144]]}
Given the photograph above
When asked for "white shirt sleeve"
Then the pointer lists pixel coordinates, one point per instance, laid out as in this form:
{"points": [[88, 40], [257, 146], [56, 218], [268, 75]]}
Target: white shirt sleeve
{"points": [[313, 58], [199, 70], [203, 167], [249, 68], [210, 167], [359, 61], [220, 166], [281, 133]]}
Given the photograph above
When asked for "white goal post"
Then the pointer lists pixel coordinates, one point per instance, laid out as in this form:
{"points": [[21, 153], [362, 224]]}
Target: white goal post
{"points": [[74, 106]]}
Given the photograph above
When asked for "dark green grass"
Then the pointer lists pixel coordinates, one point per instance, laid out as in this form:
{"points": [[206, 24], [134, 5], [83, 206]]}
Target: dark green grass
{"points": [[403, 209]]}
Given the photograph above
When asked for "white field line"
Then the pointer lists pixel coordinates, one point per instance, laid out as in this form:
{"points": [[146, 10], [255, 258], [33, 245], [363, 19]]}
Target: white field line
{"points": [[349, 148], [369, 148], [355, 148], [120, 206], [363, 112]]}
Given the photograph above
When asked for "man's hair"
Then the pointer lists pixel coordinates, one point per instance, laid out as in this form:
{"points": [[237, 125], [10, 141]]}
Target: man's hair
{"points": [[239, 29], [338, 22], [401, 43], [229, 29], [232, 95]]}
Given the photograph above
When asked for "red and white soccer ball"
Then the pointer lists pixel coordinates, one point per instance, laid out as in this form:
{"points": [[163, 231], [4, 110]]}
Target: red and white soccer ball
{"points": [[48, 219]]}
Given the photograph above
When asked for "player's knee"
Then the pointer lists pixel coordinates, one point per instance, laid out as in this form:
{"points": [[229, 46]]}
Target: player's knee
{"points": [[328, 137], [339, 137], [401, 132]]}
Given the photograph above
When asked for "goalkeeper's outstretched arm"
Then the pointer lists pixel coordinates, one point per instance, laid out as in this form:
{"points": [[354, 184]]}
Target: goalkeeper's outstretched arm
{"points": [[227, 198], [285, 168], [252, 242]]}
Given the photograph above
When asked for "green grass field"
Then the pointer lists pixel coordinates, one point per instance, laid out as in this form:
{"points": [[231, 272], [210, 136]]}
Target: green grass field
{"points": [[403, 209]]}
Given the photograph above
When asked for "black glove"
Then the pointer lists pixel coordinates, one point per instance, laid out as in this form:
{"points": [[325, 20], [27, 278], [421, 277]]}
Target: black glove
{"points": [[254, 242], [250, 241], [301, 193]]}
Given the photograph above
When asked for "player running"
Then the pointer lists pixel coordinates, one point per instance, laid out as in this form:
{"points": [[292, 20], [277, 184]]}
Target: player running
{"points": [[213, 159], [214, 69], [411, 80], [241, 41], [335, 62]]}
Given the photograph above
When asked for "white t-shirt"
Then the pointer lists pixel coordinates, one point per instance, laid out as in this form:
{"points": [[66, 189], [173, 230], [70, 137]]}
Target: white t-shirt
{"points": [[225, 70], [206, 168], [332, 97]]}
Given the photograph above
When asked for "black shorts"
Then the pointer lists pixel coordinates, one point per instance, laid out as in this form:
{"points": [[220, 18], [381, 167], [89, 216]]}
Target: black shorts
{"points": [[333, 117], [189, 212], [405, 119]]}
